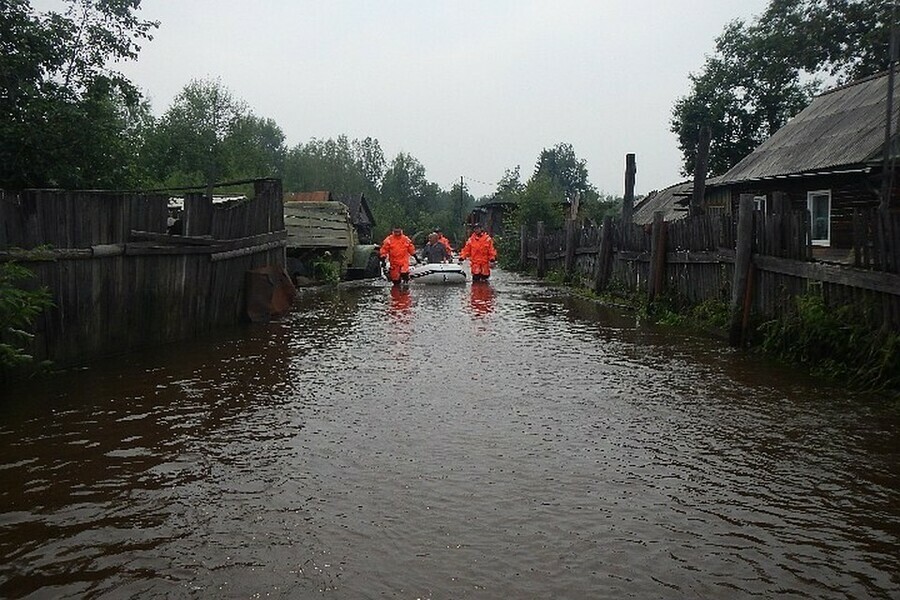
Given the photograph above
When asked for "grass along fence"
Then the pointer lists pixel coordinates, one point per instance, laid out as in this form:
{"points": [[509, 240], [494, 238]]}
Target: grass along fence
{"points": [[757, 264]]}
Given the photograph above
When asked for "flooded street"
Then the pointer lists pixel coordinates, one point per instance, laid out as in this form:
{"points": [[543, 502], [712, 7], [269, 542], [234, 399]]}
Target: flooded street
{"points": [[488, 441]]}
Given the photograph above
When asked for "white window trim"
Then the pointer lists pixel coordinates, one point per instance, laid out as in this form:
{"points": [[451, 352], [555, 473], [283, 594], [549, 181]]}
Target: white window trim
{"points": [[759, 203], [809, 202]]}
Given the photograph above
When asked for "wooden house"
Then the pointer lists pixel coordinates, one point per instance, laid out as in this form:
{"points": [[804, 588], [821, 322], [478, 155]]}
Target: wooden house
{"points": [[361, 217], [490, 215], [827, 160]]}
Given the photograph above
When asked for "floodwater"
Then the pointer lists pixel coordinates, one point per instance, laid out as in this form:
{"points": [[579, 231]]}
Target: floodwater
{"points": [[488, 441]]}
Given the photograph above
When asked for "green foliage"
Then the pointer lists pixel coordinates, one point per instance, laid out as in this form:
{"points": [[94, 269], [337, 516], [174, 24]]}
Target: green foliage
{"points": [[541, 200], [405, 184], [509, 246], [208, 135], [66, 119], [594, 208], [18, 309], [835, 342], [765, 72], [326, 270], [713, 312], [341, 166], [565, 171], [509, 188]]}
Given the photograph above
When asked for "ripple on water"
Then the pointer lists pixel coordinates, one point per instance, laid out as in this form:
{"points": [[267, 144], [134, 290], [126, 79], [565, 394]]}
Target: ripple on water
{"points": [[510, 441]]}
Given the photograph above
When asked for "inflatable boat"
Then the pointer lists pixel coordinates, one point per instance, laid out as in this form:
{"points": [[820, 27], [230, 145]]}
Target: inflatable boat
{"points": [[440, 273]]}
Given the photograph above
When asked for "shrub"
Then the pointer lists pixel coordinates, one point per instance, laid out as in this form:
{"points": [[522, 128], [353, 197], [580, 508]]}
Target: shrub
{"points": [[18, 309], [835, 342]]}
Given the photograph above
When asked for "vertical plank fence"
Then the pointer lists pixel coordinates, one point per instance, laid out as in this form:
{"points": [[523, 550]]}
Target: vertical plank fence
{"points": [[119, 281], [756, 264]]}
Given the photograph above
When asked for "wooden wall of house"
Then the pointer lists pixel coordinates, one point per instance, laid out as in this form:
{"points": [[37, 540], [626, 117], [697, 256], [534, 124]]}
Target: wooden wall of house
{"points": [[849, 192], [119, 282]]}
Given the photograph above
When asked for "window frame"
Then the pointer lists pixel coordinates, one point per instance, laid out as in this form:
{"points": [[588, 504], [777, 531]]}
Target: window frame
{"points": [[760, 203], [810, 195]]}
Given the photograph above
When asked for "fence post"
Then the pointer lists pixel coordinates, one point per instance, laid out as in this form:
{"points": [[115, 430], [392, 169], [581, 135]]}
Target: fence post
{"points": [[698, 197], [197, 214], [604, 256], [571, 243], [628, 199], [541, 251], [523, 246], [742, 257], [657, 256]]}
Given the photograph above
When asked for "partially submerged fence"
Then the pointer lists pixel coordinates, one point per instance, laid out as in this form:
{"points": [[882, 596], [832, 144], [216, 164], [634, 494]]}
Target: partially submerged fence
{"points": [[120, 281], [756, 263]]}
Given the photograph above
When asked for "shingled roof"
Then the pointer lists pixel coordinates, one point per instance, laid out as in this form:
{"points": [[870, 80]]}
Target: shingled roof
{"points": [[841, 130]]}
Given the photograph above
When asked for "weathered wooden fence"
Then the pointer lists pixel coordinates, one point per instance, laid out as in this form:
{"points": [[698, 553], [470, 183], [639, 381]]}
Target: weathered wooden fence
{"points": [[119, 281], [756, 263]]}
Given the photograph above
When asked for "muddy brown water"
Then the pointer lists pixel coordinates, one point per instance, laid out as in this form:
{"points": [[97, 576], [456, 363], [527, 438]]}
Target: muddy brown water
{"points": [[500, 441]]}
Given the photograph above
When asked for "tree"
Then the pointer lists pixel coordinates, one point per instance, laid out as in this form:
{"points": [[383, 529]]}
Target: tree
{"points": [[370, 161], [510, 187], [593, 209], [61, 107], [330, 164], [405, 183], [541, 200], [199, 136], [254, 148], [565, 170], [765, 72]]}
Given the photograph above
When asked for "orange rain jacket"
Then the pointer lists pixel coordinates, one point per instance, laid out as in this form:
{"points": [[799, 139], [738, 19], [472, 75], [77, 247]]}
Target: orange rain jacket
{"points": [[397, 248], [479, 249], [443, 239]]}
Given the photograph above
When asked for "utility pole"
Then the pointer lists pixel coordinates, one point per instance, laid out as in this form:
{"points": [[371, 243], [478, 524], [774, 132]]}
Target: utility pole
{"points": [[887, 165], [459, 210]]}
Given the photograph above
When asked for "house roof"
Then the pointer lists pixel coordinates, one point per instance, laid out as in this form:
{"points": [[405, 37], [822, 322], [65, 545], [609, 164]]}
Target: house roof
{"points": [[360, 214], [321, 196], [841, 130], [671, 201]]}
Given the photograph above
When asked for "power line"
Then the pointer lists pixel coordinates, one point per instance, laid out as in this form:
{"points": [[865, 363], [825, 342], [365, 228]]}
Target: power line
{"points": [[472, 179]]}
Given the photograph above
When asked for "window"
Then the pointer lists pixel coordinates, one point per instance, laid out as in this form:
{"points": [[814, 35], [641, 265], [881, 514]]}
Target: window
{"points": [[759, 203], [819, 205]]}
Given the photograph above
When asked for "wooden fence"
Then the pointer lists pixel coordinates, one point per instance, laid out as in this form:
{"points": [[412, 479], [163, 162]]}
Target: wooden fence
{"points": [[756, 263], [119, 281]]}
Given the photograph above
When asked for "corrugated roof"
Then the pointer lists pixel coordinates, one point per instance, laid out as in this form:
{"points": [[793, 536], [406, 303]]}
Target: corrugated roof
{"points": [[841, 128], [671, 201]]}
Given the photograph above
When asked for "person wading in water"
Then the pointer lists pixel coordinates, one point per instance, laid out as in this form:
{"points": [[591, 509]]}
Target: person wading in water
{"points": [[397, 248], [479, 249]]}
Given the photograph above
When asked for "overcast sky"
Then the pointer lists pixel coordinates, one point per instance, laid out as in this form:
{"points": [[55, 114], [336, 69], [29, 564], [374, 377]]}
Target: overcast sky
{"points": [[469, 88]]}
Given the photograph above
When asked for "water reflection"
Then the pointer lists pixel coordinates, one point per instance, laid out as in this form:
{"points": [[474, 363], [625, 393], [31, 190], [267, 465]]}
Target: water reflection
{"points": [[481, 298], [371, 446], [401, 302]]}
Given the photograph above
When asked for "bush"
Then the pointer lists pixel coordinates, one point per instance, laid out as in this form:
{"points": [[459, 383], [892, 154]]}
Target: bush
{"points": [[18, 309], [835, 343], [326, 270]]}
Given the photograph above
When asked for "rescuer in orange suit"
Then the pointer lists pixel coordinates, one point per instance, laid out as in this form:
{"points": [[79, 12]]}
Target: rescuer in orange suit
{"points": [[479, 249], [397, 248], [443, 239]]}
